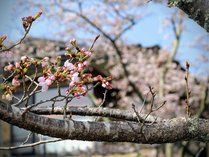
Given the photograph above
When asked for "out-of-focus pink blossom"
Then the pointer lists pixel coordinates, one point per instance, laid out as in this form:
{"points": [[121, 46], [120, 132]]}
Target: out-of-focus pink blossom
{"points": [[9, 67], [87, 53], [46, 82], [15, 82], [41, 79], [17, 65], [43, 84], [46, 59], [69, 65], [85, 63], [52, 77], [49, 82], [71, 84], [80, 66], [77, 95], [98, 78], [75, 77], [44, 64], [106, 84]]}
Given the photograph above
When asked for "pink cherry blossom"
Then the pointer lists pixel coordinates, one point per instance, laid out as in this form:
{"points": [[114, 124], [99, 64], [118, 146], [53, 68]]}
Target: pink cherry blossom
{"points": [[17, 65], [44, 64], [87, 53], [52, 77], [15, 82], [43, 84], [41, 79], [71, 84], [48, 82], [85, 63], [80, 66], [69, 65], [106, 84], [75, 77], [8, 67]]}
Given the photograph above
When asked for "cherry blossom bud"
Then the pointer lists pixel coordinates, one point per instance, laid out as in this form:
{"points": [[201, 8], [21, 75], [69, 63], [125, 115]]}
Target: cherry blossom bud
{"points": [[2, 38], [73, 42], [52, 77], [27, 21], [44, 64], [80, 66], [85, 63], [77, 95], [17, 65], [107, 85], [98, 78], [38, 15], [71, 84]]}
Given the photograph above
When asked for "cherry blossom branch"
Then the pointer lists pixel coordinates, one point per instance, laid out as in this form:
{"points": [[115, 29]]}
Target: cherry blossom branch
{"points": [[112, 41], [27, 24], [171, 130]]}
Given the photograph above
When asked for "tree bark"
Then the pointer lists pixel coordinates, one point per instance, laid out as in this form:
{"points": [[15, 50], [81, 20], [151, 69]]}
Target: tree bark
{"points": [[198, 10], [173, 130], [95, 111]]}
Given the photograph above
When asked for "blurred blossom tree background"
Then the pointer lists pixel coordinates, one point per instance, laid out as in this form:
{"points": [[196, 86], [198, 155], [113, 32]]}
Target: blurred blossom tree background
{"points": [[141, 43]]}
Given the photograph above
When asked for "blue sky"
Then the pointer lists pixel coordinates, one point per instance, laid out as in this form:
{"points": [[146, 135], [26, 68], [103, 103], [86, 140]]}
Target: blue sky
{"points": [[147, 32]]}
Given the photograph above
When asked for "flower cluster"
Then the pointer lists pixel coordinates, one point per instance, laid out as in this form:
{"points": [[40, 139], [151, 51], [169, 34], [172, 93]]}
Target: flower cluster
{"points": [[72, 71], [28, 20]]}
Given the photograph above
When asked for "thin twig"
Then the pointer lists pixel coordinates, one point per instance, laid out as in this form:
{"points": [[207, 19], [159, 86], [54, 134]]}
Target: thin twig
{"points": [[28, 137], [104, 98], [139, 118], [187, 90], [30, 145]]}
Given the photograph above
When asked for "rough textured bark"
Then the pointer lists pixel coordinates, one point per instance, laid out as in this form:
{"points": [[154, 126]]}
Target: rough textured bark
{"points": [[173, 130], [198, 10], [95, 111]]}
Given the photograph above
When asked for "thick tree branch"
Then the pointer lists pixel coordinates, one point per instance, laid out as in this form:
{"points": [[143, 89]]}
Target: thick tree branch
{"points": [[173, 130], [196, 10], [95, 111]]}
